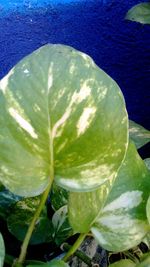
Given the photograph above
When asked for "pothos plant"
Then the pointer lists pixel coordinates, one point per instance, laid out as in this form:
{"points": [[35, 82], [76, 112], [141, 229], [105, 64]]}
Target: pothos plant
{"points": [[64, 135]]}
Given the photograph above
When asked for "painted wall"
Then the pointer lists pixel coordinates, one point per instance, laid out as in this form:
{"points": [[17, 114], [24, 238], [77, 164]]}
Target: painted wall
{"points": [[97, 27]]}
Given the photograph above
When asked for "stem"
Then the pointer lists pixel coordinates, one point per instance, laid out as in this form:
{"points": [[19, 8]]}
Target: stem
{"points": [[80, 254], [32, 225], [75, 246]]}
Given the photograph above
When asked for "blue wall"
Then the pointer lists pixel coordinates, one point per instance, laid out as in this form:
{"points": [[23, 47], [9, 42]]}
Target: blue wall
{"points": [[120, 47]]}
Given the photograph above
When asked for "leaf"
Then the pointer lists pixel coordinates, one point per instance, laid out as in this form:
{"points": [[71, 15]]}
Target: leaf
{"points": [[58, 197], [118, 217], [53, 263], [61, 114], [138, 134], [147, 162], [20, 219], [139, 13], [7, 199], [123, 263], [62, 228], [148, 209], [2, 251]]}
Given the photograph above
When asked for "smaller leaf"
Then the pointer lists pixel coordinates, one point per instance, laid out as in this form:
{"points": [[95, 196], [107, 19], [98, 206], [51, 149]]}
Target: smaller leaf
{"points": [[123, 263], [138, 134], [62, 228], [58, 197], [139, 13], [2, 251], [20, 219], [53, 263]]}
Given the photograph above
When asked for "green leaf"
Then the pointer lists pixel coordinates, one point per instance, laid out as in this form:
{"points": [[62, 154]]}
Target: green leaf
{"points": [[123, 263], [20, 219], [60, 113], [138, 134], [62, 228], [148, 209], [118, 216], [53, 263], [2, 251], [7, 199], [58, 197], [139, 13]]}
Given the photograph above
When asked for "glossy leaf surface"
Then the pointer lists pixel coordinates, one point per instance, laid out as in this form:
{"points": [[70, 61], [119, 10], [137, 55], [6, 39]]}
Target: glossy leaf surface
{"points": [[2, 251], [140, 13], [53, 263], [123, 263], [138, 134], [60, 113], [20, 219], [62, 228], [118, 218]]}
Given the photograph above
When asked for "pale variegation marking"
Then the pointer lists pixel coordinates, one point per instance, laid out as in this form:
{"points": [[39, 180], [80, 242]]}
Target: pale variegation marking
{"points": [[84, 92], [26, 71], [4, 82], [85, 120], [50, 77], [77, 98], [60, 122], [101, 239], [127, 200], [115, 222], [23, 123]]}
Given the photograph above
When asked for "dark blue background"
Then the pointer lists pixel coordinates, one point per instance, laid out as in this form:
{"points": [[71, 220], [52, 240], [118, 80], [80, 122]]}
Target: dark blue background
{"points": [[120, 47]]}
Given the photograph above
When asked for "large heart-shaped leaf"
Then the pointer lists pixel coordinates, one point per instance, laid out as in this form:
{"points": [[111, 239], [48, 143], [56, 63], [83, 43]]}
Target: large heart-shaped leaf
{"points": [[2, 251], [60, 114], [115, 213], [140, 13], [123, 263], [138, 134], [21, 217]]}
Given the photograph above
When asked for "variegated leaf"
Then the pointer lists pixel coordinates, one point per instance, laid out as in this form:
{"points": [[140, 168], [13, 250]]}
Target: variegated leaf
{"points": [[140, 13], [21, 216], [138, 134], [115, 213], [61, 114], [62, 228]]}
